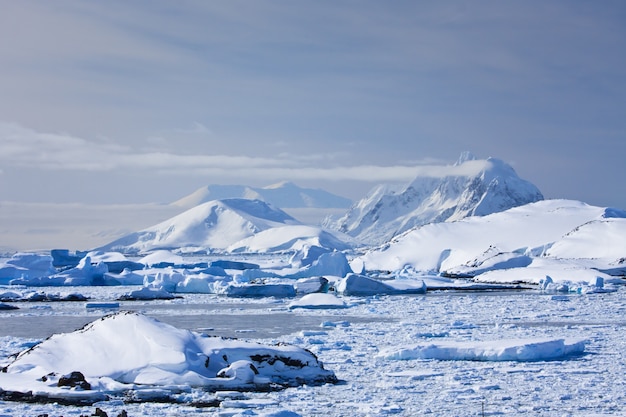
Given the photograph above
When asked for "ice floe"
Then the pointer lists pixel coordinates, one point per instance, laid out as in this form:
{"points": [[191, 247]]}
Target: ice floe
{"points": [[500, 350]]}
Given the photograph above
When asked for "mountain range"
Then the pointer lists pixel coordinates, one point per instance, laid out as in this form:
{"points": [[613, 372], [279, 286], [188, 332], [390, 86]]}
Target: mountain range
{"points": [[285, 195], [479, 216]]}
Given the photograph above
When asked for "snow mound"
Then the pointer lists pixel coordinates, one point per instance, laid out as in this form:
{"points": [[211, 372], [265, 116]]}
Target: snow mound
{"points": [[147, 293], [469, 188], [130, 352], [530, 350]]}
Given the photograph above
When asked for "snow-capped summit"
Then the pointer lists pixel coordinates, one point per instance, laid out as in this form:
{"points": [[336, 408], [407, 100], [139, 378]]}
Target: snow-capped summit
{"points": [[284, 195], [470, 187]]}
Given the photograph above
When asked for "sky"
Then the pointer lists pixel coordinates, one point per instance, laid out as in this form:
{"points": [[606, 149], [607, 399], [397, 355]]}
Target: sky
{"points": [[146, 101]]}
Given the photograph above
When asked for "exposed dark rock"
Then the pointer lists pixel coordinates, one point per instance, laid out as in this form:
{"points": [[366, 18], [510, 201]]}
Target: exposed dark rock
{"points": [[74, 379], [100, 413]]}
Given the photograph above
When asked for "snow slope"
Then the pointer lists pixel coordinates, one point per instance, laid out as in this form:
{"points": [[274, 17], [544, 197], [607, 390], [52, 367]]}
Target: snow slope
{"points": [[283, 195], [470, 188], [290, 238], [516, 238]]}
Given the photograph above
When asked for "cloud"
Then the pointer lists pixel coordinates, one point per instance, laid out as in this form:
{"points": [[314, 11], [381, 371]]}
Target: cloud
{"points": [[26, 148]]}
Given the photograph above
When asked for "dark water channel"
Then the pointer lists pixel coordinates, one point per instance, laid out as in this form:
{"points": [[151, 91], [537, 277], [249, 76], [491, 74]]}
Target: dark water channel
{"points": [[241, 320]]}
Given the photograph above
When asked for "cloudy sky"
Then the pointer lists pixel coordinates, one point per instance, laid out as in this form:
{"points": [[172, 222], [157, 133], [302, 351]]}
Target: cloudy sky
{"points": [[145, 101]]}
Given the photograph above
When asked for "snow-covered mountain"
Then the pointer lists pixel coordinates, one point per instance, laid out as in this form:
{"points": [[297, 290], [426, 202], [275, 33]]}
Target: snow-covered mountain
{"points": [[563, 236], [235, 224], [283, 195], [470, 187]]}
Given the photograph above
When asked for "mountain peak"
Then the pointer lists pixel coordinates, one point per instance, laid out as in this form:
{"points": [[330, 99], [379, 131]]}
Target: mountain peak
{"points": [[471, 187], [465, 156]]}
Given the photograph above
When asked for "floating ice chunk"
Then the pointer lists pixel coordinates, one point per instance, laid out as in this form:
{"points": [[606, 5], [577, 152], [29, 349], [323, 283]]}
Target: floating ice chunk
{"points": [[10, 296], [25, 266], [318, 301], [201, 284], [166, 279], [311, 285], [85, 273], [416, 375], [148, 294], [335, 324], [502, 350], [307, 255], [126, 277], [360, 285], [62, 258]]}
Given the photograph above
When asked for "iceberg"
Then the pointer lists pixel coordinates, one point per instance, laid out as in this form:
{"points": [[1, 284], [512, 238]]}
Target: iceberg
{"points": [[318, 301], [360, 285]]}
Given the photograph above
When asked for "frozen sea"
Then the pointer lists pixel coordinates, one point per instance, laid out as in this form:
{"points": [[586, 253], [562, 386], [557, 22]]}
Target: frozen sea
{"points": [[350, 342]]}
